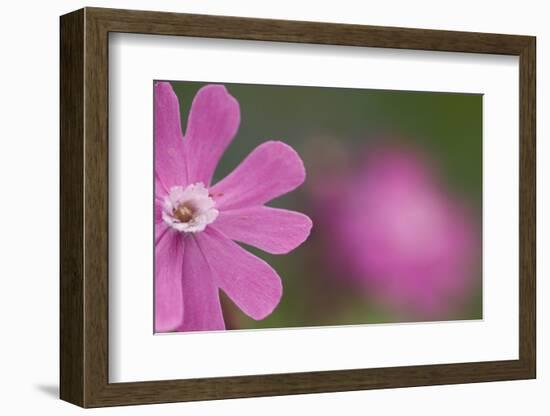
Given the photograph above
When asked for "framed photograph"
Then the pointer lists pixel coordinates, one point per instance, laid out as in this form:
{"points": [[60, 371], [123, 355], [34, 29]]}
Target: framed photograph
{"points": [[264, 207]]}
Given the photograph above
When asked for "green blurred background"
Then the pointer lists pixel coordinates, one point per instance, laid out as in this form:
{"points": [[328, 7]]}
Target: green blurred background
{"points": [[447, 126]]}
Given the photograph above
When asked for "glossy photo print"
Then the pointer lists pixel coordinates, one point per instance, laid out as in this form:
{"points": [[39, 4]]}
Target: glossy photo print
{"points": [[293, 206]]}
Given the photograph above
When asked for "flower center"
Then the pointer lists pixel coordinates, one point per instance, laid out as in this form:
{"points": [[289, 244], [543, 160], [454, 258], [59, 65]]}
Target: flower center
{"points": [[183, 213], [189, 209]]}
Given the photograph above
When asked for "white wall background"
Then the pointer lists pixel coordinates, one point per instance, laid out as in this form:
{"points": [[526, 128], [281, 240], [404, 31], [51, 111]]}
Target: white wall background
{"points": [[29, 209]]}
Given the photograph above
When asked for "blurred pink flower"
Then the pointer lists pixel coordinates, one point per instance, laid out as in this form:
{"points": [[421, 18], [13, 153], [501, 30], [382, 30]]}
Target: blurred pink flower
{"points": [[391, 227], [196, 223]]}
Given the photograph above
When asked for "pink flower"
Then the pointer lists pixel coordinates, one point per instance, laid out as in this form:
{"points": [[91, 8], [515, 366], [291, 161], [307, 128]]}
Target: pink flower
{"points": [[390, 225], [197, 224]]}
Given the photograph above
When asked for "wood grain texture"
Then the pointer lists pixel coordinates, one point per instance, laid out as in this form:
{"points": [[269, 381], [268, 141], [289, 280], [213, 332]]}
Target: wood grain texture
{"points": [[71, 216], [84, 207], [527, 208]]}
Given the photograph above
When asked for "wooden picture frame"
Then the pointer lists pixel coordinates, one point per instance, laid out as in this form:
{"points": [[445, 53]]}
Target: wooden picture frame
{"points": [[84, 207]]}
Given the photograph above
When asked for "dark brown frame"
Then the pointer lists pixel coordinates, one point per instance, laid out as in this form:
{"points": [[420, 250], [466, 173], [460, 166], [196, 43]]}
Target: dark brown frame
{"points": [[84, 211]]}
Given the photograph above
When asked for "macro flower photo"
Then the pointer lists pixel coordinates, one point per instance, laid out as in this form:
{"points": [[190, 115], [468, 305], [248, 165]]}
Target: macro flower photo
{"points": [[197, 223], [286, 206]]}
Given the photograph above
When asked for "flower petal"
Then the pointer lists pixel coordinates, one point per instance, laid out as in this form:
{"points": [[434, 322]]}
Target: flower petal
{"points": [[159, 202], [271, 170], [168, 290], [201, 302], [160, 189], [274, 230], [160, 229], [158, 212], [249, 281], [169, 149], [213, 122]]}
